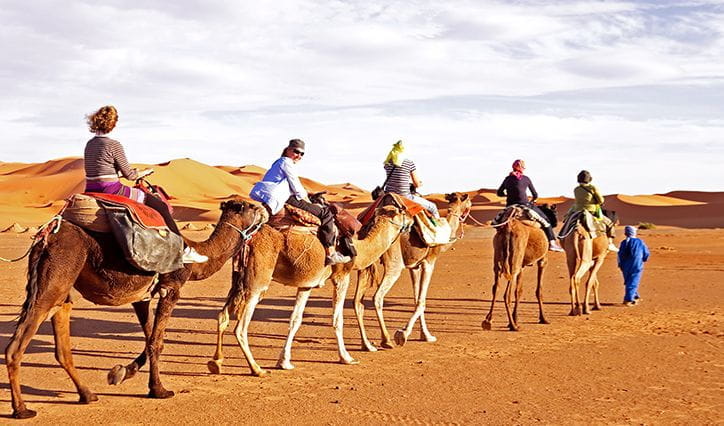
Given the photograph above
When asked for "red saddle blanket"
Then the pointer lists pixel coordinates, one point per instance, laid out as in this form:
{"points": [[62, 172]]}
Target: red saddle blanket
{"points": [[144, 215], [410, 206]]}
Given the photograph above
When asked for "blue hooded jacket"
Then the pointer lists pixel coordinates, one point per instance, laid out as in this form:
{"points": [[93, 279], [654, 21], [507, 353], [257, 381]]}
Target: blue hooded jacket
{"points": [[632, 254]]}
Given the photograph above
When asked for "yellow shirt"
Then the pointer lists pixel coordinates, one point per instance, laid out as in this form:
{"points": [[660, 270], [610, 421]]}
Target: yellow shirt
{"points": [[587, 198]]}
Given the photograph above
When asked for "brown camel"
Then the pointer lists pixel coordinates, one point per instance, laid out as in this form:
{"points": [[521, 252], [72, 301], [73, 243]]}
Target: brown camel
{"points": [[93, 264], [297, 260], [411, 253], [517, 243], [584, 255]]}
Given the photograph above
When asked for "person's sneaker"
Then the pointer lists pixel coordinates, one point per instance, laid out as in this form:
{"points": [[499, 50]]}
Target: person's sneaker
{"points": [[192, 256], [554, 246], [629, 304], [612, 247], [336, 258]]}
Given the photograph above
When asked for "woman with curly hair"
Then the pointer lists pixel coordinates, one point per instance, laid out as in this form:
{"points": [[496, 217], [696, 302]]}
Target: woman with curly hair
{"points": [[105, 160]]}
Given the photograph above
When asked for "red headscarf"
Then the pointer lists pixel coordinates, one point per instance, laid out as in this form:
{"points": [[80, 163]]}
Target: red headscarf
{"points": [[518, 167]]}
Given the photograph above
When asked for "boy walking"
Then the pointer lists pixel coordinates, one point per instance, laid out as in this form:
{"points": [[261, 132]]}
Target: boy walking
{"points": [[631, 257]]}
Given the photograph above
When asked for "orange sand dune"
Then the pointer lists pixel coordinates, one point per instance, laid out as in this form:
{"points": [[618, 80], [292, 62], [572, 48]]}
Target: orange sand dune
{"points": [[32, 193]]}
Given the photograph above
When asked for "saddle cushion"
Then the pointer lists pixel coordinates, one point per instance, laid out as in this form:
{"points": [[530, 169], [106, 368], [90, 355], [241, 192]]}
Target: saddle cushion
{"points": [[294, 217], [141, 213], [411, 207], [432, 231]]}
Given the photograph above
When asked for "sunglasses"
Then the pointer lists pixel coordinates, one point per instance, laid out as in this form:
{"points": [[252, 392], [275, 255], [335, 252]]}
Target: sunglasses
{"points": [[298, 152]]}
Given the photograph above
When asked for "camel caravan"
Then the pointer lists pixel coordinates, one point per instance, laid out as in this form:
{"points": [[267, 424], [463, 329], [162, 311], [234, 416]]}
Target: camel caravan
{"points": [[116, 245]]}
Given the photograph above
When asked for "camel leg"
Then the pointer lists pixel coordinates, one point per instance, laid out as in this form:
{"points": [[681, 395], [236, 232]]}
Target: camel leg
{"points": [[507, 299], [340, 293], [295, 321], [592, 283], [596, 300], [246, 311], [222, 323], [154, 346], [402, 334], [487, 322], [518, 295], [392, 273], [364, 278], [52, 285], [539, 291], [61, 332], [120, 373]]}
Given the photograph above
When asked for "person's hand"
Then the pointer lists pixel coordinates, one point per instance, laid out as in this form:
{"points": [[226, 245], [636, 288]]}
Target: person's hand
{"points": [[144, 173]]}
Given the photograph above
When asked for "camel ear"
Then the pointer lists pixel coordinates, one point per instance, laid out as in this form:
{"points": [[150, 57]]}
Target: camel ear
{"points": [[465, 197], [223, 205], [450, 197]]}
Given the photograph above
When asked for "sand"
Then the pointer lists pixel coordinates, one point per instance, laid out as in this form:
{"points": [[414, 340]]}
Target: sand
{"points": [[659, 362]]}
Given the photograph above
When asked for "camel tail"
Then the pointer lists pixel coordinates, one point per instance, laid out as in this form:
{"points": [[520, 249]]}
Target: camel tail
{"points": [[31, 288], [508, 250], [238, 292]]}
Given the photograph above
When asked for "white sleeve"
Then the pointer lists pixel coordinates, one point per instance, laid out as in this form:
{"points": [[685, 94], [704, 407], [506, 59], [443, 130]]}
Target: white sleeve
{"points": [[295, 185]]}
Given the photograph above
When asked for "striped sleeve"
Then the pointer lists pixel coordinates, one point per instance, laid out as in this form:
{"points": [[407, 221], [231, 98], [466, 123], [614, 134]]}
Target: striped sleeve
{"points": [[120, 161]]}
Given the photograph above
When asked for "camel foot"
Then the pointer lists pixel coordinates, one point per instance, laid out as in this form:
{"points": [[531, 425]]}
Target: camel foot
{"points": [[285, 365], [348, 361], [88, 397], [575, 312], [24, 414], [429, 338], [596, 307], [513, 327], [214, 366], [117, 375], [369, 347], [486, 325], [387, 344], [543, 321], [160, 394], [261, 373], [400, 338]]}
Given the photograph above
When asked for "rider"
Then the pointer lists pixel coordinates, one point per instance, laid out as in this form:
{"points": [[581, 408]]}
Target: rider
{"points": [[514, 188], [588, 198], [281, 185], [105, 160], [402, 172]]}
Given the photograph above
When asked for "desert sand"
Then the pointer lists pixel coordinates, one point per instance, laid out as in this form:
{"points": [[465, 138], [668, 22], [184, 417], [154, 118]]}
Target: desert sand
{"points": [[659, 362]]}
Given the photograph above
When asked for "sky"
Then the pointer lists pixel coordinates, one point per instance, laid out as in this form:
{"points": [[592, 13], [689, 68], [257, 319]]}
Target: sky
{"points": [[632, 91]]}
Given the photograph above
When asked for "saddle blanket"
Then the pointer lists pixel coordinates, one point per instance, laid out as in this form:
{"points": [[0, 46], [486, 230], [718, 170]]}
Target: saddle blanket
{"points": [[528, 213], [587, 220]]}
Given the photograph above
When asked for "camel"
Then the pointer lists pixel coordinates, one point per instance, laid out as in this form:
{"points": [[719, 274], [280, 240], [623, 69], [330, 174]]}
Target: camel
{"points": [[518, 242], [409, 252], [297, 260], [584, 255], [92, 263]]}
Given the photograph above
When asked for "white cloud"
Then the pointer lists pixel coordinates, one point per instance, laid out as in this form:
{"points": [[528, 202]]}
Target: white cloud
{"points": [[477, 82]]}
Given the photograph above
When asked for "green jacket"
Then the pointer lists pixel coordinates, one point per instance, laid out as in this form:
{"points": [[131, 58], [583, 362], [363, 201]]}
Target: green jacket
{"points": [[587, 198]]}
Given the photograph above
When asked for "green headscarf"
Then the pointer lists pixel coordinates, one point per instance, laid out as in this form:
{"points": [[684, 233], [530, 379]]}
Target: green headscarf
{"points": [[395, 156]]}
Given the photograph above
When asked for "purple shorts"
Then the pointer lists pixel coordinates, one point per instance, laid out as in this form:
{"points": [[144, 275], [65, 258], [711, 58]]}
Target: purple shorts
{"points": [[116, 188]]}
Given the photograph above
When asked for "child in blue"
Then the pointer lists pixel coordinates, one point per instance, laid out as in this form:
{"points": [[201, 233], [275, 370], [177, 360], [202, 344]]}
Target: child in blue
{"points": [[631, 257]]}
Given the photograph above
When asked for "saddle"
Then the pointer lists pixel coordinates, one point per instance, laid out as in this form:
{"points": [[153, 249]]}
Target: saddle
{"points": [[432, 231], [524, 214], [589, 222], [295, 220], [140, 231]]}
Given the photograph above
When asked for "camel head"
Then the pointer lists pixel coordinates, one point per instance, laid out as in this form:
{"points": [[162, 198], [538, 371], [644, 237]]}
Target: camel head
{"points": [[459, 204], [243, 214]]}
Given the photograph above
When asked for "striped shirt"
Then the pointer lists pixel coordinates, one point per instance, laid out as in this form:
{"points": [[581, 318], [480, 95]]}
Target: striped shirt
{"points": [[399, 181], [104, 158]]}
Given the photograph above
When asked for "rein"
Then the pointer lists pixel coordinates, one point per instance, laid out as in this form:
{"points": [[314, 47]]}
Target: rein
{"points": [[242, 257]]}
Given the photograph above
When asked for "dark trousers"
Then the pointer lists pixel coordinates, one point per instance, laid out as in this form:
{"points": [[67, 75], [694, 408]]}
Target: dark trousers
{"points": [[326, 229], [547, 229], [161, 207]]}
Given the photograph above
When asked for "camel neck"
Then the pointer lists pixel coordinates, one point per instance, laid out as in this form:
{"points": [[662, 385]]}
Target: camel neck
{"points": [[219, 247]]}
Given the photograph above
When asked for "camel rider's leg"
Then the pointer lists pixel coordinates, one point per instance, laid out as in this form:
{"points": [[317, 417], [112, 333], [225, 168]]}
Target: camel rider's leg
{"points": [[190, 255], [326, 229], [548, 230], [610, 232], [427, 204]]}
